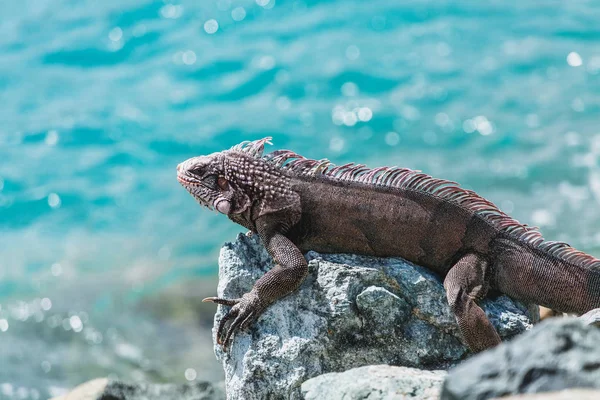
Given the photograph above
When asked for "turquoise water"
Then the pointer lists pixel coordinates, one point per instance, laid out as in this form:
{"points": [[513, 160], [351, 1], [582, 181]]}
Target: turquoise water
{"points": [[105, 257]]}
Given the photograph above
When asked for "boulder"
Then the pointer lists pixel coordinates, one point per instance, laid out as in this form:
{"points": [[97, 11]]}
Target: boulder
{"points": [[375, 382], [568, 394], [559, 353], [105, 389], [351, 311]]}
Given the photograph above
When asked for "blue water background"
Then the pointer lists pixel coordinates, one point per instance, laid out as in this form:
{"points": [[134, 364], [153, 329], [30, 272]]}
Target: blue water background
{"points": [[104, 257]]}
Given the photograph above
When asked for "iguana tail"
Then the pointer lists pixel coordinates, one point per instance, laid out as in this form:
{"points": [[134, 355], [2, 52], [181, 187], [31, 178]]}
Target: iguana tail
{"points": [[553, 275]]}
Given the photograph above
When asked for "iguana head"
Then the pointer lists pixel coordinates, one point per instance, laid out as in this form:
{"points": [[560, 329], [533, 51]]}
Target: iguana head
{"points": [[232, 180], [206, 179], [203, 177]]}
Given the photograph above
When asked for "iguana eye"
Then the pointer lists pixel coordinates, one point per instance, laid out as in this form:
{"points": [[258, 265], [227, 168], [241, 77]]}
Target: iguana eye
{"points": [[223, 184]]}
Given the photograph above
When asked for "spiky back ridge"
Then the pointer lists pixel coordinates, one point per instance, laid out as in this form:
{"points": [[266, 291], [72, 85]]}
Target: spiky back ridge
{"points": [[407, 179]]}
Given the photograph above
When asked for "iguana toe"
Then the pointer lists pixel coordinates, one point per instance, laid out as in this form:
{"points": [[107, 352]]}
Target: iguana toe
{"points": [[222, 324], [239, 323], [243, 312], [225, 302]]}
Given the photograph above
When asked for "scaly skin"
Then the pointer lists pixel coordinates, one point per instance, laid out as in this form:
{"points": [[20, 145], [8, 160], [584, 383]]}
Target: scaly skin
{"points": [[295, 205]]}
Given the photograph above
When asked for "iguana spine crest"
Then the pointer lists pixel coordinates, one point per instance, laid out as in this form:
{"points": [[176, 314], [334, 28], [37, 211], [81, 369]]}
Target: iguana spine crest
{"points": [[407, 179]]}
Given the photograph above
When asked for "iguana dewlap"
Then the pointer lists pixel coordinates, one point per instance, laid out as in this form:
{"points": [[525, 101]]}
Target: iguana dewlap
{"points": [[297, 204]]}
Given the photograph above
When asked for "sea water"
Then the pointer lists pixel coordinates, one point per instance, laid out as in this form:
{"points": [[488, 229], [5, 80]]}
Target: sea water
{"points": [[104, 257]]}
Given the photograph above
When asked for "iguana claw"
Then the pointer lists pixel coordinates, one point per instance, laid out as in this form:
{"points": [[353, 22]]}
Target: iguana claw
{"points": [[243, 311], [225, 302], [591, 317]]}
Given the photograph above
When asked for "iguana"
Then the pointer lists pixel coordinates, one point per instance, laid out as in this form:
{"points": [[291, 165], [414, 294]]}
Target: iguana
{"points": [[297, 204]]}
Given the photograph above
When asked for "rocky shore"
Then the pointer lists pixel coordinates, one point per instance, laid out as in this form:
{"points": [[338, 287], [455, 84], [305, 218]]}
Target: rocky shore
{"points": [[351, 311], [363, 327]]}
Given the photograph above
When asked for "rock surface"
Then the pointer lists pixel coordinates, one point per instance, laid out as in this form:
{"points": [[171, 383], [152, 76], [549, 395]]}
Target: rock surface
{"points": [[375, 382], [104, 389], [569, 394], [351, 311], [559, 353]]}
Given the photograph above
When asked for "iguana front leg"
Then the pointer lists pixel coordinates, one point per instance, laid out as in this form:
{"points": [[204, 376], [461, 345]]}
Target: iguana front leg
{"points": [[465, 284], [289, 272]]}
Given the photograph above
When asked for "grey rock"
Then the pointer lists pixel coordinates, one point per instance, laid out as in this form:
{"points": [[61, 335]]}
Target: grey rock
{"points": [[375, 382], [559, 353], [105, 389], [378, 304], [351, 311], [568, 394], [592, 317]]}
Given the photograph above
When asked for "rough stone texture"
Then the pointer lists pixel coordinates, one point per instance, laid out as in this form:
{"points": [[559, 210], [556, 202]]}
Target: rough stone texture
{"points": [[375, 382], [557, 354], [351, 311], [104, 389], [569, 394], [591, 317]]}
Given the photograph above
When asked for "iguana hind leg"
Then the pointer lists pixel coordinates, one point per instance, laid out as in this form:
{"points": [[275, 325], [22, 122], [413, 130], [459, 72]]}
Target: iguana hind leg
{"points": [[466, 283]]}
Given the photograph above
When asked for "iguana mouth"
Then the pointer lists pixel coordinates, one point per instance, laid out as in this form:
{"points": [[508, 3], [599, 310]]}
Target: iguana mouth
{"points": [[195, 189], [186, 181]]}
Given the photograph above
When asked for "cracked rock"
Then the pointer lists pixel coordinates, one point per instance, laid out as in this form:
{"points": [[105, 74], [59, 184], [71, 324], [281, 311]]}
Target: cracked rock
{"points": [[560, 353], [351, 311]]}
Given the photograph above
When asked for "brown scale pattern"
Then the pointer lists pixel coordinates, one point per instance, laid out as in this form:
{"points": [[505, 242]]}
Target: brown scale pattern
{"points": [[512, 257], [404, 178]]}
